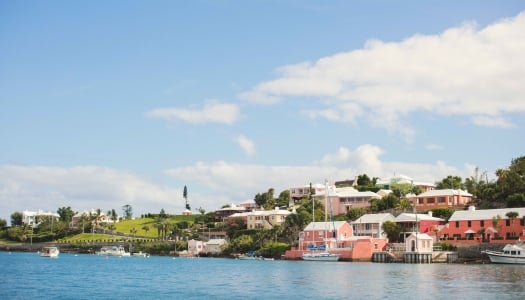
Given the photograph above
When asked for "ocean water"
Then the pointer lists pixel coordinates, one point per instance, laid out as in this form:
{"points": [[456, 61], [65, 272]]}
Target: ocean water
{"points": [[29, 276]]}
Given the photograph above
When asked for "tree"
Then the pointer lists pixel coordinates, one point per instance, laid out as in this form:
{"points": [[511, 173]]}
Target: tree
{"points": [[355, 213], [201, 210], [404, 205], [512, 215], [284, 199], [450, 182], [3, 223], [185, 195], [516, 200], [128, 211], [512, 179], [66, 214], [16, 218], [443, 213], [392, 230], [495, 221]]}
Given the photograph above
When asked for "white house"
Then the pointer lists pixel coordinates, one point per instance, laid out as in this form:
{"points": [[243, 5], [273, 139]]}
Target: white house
{"points": [[371, 225], [195, 247], [214, 246], [31, 217], [419, 242]]}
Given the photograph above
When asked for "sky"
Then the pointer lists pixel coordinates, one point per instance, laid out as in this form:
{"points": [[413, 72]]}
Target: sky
{"points": [[112, 103]]}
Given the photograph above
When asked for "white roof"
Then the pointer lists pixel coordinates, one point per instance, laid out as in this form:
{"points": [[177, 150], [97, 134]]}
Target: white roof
{"points": [[485, 214], [374, 218], [324, 225], [351, 192], [408, 217], [421, 236], [216, 242], [444, 192]]}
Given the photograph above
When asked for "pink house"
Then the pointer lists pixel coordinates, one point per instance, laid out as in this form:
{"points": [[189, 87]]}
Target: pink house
{"points": [[447, 198]]}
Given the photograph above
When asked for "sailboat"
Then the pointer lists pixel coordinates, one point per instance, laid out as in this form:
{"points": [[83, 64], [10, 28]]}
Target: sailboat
{"points": [[318, 253]]}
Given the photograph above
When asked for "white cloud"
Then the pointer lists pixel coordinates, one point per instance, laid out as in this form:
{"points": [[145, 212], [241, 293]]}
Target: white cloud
{"points": [[213, 111], [82, 188], [246, 144], [464, 71], [210, 184]]}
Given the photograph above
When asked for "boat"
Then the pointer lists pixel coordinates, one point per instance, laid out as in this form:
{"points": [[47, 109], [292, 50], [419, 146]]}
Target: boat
{"points": [[50, 251], [248, 256], [318, 253], [141, 254], [117, 250], [511, 254]]}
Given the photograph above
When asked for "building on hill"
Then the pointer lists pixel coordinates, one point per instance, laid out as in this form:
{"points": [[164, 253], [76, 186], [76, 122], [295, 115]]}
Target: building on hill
{"points": [[386, 183], [446, 198], [347, 198], [33, 218], [300, 192], [484, 225], [335, 234], [260, 219], [221, 214]]}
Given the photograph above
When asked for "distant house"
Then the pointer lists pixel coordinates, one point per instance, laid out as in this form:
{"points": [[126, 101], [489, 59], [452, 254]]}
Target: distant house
{"points": [[195, 247], [35, 217], [260, 219], [386, 183], [371, 225], [300, 192], [90, 217], [488, 225], [446, 198], [225, 212], [348, 197], [214, 246]]}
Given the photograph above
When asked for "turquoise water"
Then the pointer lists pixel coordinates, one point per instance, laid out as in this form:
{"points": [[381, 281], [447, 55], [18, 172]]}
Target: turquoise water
{"points": [[28, 276]]}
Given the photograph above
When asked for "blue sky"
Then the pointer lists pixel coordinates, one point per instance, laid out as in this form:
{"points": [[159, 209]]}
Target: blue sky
{"points": [[107, 103]]}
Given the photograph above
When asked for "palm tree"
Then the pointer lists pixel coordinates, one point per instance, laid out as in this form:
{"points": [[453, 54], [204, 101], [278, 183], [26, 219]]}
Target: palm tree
{"points": [[512, 215]]}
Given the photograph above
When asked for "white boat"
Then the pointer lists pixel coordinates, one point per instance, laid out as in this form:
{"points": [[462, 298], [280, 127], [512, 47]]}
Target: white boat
{"points": [[50, 252], [113, 251], [140, 254], [319, 253], [511, 254], [320, 256]]}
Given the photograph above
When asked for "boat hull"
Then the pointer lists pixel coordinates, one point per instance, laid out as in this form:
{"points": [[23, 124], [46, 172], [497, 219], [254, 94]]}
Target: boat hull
{"points": [[501, 258], [50, 252], [320, 257]]}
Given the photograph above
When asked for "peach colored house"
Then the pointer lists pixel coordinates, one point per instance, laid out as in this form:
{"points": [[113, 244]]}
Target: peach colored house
{"points": [[340, 240], [488, 225], [422, 223], [447, 198], [348, 197]]}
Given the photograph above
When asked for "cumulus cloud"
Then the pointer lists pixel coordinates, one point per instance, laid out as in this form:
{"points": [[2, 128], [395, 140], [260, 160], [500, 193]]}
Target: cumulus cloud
{"points": [[464, 71], [246, 144], [82, 188], [213, 111], [239, 182]]}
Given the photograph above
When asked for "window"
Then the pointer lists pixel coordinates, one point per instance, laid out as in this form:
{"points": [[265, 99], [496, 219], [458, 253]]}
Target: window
{"points": [[482, 223], [457, 224], [507, 222], [469, 223]]}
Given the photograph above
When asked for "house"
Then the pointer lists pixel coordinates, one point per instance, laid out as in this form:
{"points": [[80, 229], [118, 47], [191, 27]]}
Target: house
{"points": [[214, 246], [386, 183], [423, 223], [34, 218], [446, 198], [487, 225], [371, 225], [225, 212], [336, 234], [300, 192], [195, 247], [348, 197], [90, 217], [260, 219], [419, 242]]}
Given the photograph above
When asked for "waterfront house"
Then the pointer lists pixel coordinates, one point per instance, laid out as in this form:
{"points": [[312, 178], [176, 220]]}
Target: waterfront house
{"points": [[486, 225], [446, 198], [371, 225], [214, 246], [195, 247], [419, 242], [423, 223], [335, 234]]}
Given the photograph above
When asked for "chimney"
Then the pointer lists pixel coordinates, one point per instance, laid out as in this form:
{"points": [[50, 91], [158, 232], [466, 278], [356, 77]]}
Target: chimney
{"points": [[472, 208], [430, 213]]}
